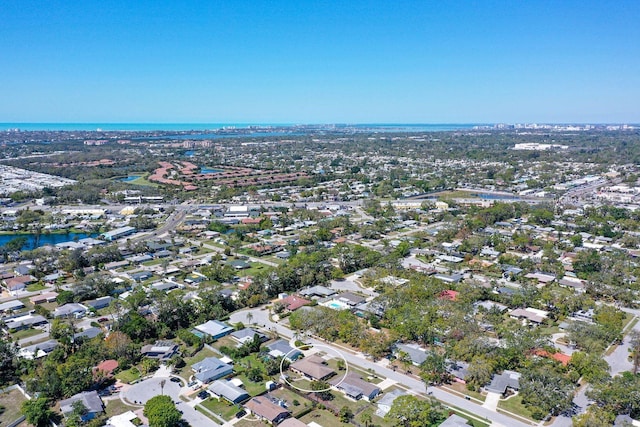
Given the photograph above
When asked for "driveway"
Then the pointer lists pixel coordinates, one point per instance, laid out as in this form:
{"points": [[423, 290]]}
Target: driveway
{"points": [[141, 392]]}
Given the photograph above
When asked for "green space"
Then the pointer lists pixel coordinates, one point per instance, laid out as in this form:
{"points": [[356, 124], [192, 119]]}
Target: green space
{"points": [[128, 375], [36, 287], [11, 401], [326, 419], [199, 357], [26, 333], [289, 397], [117, 407], [514, 404], [221, 407]]}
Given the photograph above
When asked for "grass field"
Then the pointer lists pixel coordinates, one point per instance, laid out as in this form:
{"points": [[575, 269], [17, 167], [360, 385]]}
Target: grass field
{"points": [[221, 407], [128, 375], [12, 402], [117, 407], [514, 404], [26, 333]]}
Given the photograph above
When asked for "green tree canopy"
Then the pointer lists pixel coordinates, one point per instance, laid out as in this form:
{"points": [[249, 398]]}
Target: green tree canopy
{"points": [[162, 412]]}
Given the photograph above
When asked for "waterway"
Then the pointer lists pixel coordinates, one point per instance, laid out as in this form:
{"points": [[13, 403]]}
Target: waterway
{"points": [[45, 239]]}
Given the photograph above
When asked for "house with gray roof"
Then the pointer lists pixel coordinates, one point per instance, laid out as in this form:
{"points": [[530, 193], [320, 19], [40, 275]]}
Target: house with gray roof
{"points": [[416, 353], [385, 403], [70, 309], [353, 386], [89, 399], [455, 421], [246, 335], [215, 329], [99, 303], [211, 369], [228, 391], [507, 379], [161, 350], [281, 348]]}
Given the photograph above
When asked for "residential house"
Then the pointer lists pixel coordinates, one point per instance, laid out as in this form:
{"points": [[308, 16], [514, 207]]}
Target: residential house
{"points": [[281, 348], [11, 306], [70, 309], [266, 410], [500, 383], [313, 367], [416, 354], [43, 298], [215, 329], [228, 391], [246, 335], [37, 351], [293, 302], [385, 403], [89, 399], [353, 386], [211, 369], [532, 315], [162, 350], [455, 421], [99, 303], [24, 322]]}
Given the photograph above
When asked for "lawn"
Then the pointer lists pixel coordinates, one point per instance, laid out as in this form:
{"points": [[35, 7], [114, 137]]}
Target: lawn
{"points": [[289, 396], [199, 357], [142, 181], [254, 269], [117, 407], [252, 388], [12, 402], [221, 407], [323, 417], [462, 389], [514, 405], [26, 333], [128, 375], [36, 287]]}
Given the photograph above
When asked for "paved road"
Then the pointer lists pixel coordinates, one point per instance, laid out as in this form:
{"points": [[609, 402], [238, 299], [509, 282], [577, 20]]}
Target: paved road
{"points": [[144, 390], [618, 360], [261, 318]]}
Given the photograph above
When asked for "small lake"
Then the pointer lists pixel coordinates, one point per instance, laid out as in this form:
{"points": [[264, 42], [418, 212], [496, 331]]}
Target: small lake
{"points": [[129, 178], [210, 170], [45, 239]]}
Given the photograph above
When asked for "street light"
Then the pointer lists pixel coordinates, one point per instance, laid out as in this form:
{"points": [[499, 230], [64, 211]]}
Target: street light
{"points": [[162, 383]]}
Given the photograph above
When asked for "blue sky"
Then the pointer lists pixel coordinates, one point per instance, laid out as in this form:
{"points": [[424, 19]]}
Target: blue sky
{"points": [[320, 61]]}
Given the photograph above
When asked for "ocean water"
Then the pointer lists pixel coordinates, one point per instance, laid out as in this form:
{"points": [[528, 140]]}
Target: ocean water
{"points": [[141, 127]]}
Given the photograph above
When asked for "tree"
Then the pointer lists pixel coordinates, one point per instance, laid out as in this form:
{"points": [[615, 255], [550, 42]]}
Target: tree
{"points": [[345, 414], [366, 418], [37, 411], [594, 417], [321, 389], [162, 412], [7, 362], [544, 390], [635, 350], [409, 411]]}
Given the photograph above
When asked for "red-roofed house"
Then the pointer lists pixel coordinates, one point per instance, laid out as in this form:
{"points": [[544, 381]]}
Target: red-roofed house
{"points": [[560, 357], [106, 367], [293, 302], [449, 295]]}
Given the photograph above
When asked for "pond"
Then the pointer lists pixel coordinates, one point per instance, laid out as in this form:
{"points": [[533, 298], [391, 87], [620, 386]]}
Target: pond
{"points": [[45, 239]]}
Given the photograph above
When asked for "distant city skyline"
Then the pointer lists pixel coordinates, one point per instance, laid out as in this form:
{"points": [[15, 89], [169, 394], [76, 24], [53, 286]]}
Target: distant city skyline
{"points": [[286, 62]]}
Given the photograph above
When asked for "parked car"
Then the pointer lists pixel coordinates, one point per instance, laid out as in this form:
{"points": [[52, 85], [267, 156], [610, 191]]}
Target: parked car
{"points": [[204, 394]]}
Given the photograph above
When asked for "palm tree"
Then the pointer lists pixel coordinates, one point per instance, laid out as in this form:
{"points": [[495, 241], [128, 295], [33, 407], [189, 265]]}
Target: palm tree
{"points": [[249, 317]]}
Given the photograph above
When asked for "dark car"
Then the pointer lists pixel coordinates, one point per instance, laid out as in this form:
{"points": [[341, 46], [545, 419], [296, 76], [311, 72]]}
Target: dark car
{"points": [[175, 380], [203, 394], [103, 319], [241, 413]]}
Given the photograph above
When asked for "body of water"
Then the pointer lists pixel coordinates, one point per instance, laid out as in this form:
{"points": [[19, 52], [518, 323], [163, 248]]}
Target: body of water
{"points": [[490, 196], [237, 127], [210, 170], [45, 239], [129, 178]]}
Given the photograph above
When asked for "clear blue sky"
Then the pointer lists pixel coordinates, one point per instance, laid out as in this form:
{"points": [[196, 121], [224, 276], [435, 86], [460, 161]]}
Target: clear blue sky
{"points": [[304, 61]]}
